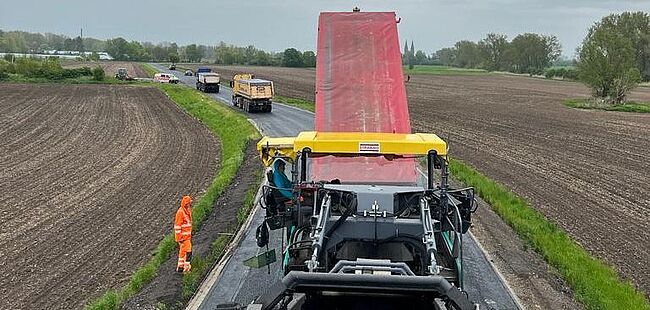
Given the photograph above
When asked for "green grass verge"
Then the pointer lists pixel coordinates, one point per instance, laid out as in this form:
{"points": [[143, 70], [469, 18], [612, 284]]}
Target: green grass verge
{"points": [[202, 265], [149, 69], [234, 132], [582, 103], [296, 102], [595, 284], [443, 70]]}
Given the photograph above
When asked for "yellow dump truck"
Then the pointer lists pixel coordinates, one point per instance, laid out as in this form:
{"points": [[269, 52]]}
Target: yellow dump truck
{"points": [[251, 94]]}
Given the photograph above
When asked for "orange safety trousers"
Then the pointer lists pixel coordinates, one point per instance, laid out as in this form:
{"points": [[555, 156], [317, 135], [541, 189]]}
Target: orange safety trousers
{"points": [[184, 256]]}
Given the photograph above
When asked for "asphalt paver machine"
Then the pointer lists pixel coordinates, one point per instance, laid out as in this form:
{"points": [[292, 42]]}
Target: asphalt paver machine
{"points": [[355, 245], [369, 219]]}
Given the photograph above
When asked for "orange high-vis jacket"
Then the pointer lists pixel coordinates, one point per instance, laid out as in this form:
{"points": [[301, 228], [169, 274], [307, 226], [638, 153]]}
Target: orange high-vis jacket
{"points": [[183, 223]]}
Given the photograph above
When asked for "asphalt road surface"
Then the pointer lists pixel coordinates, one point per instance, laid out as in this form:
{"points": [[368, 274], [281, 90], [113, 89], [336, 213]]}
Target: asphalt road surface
{"points": [[242, 284]]}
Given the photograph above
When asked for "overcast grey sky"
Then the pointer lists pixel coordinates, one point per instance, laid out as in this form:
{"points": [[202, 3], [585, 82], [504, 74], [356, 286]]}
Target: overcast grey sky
{"points": [[275, 25]]}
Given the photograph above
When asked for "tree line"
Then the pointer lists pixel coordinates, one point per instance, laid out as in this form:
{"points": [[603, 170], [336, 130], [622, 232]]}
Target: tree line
{"points": [[122, 49], [613, 58], [526, 53]]}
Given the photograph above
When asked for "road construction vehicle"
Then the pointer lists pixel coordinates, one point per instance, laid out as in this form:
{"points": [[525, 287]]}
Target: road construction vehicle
{"points": [[208, 82], [396, 242], [366, 213], [123, 75], [251, 94]]}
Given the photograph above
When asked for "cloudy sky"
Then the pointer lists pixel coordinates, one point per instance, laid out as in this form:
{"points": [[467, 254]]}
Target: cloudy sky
{"points": [[275, 25]]}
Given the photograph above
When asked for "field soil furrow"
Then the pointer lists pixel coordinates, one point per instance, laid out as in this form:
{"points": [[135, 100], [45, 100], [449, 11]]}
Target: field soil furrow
{"points": [[110, 67], [584, 171], [587, 171], [90, 184]]}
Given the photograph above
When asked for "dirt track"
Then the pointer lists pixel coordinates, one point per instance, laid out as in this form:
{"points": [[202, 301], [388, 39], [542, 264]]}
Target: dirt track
{"points": [[90, 177], [588, 171], [110, 67]]}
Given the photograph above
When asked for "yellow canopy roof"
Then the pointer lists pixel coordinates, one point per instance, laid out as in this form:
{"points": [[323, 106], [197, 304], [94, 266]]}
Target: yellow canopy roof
{"points": [[351, 143]]}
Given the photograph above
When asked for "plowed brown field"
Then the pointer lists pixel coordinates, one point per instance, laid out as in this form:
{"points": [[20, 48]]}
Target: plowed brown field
{"points": [[90, 177], [110, 67], [588, 171]]}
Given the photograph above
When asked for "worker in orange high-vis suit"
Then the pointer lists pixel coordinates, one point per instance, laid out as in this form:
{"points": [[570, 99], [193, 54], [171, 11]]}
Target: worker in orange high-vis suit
{"points": [[183, 234]]}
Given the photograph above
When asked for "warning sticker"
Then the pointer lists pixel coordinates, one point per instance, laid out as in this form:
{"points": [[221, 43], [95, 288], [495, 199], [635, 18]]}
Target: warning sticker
{"points": [[369, 147]]}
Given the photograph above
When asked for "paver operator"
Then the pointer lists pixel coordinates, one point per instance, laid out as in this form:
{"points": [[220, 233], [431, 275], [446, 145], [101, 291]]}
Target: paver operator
{"points": [[183, 234], [280, 179]]}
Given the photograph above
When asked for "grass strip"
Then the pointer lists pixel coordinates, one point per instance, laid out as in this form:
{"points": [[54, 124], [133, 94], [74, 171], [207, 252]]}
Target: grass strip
{"points": [[594, 283], [234, 132], [202, 265], [584, 103], [149, 69], [296, 102]]}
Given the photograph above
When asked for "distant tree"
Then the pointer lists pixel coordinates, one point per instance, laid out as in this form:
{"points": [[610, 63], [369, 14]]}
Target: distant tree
{"points": [[3, 42], [607, 60], [68, 45], [309, 59], [137, 52], [193, 53], [405, 54], [78, 45], [249, 54], [89, 44], [421, 58], [174, 58], [172, 49], [261, 58], [467, 55], [493, 49], [118, 48], [635, 27], [563, 61], [446, 56], [292, 58], [531, 53]]}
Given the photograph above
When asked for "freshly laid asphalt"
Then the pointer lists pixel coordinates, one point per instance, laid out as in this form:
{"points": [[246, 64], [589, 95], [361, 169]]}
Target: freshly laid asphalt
{"points": [[242, 284]]}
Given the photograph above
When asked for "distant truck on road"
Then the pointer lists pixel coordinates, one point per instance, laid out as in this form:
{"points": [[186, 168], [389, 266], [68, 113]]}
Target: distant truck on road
{"points": [[202, 70], [251, 94], [208, 82]]}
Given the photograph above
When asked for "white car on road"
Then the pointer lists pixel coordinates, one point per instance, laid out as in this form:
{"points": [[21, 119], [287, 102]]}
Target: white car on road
{"points": [[165, 78]]}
